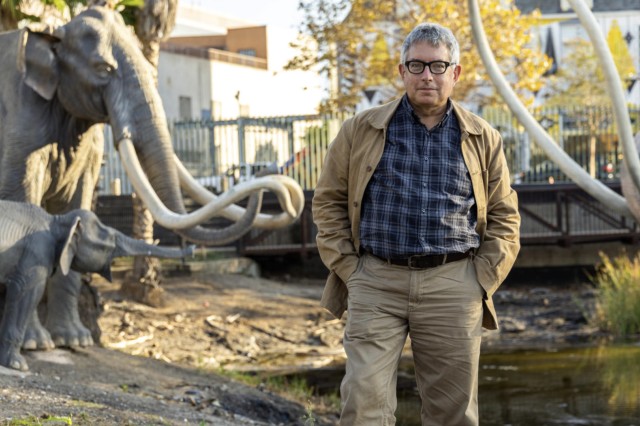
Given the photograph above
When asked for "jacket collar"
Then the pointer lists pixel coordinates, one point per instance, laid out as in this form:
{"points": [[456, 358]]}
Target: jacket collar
{"points": [[379, 117]]}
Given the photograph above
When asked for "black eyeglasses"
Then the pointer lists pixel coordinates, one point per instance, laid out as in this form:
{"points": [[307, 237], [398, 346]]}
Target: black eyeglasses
{"points": [[417, 66]]}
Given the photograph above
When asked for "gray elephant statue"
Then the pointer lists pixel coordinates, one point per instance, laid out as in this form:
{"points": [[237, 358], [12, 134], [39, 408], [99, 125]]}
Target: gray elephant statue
{"points": [[35, 244], [57, 90]]}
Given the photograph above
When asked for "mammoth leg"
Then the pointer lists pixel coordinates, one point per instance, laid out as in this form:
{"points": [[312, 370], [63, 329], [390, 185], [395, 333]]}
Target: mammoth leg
{"points": [[36, 336], [67, 294], [63, 319], [22, 297]]}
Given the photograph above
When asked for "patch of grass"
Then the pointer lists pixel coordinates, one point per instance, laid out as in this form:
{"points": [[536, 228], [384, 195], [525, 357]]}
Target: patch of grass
{"points": [[292, 388], [617, 307], [309, 419], [37, 421]]}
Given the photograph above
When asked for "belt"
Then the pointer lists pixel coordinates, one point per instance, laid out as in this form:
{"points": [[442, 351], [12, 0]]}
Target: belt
{"points": [[425, 261]]}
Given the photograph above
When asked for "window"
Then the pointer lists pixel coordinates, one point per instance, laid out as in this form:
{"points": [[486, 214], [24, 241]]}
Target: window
{"points": [[247, 52], [185, 107]]}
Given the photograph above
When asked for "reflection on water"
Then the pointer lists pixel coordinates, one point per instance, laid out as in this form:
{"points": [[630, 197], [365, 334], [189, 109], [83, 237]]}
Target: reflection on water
{"points": [[593, 386]]}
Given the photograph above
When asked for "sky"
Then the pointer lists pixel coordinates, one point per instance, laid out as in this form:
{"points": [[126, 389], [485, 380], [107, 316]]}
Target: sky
{"points": [[281, 13]]}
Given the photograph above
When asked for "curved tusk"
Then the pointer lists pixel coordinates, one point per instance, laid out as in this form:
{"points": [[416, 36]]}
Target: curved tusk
{"points": [[172, 220], [290, 197], [614, 86], [594, 187]]}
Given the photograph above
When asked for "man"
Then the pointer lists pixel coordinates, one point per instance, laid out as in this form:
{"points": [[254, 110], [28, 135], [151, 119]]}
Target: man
{"points": [[418, 225]]}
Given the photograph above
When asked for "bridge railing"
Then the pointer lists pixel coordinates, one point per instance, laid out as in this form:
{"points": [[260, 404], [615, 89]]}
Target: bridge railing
{"points": [[558, 214]]}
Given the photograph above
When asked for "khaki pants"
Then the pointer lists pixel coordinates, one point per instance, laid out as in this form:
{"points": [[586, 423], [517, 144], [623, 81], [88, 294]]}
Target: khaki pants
{"points": [[441, 310]]}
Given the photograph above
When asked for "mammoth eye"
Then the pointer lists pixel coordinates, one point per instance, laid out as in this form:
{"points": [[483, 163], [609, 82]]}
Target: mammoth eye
{"points": [[103, 69]]}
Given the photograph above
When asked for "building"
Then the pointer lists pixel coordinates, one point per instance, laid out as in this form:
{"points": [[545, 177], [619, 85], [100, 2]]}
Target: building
{"points": [[215, 67], [561, 25]]}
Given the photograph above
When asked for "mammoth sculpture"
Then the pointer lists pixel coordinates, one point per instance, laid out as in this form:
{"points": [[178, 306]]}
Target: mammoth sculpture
{"points": [[56, 90], [629, 203], [34, 243]]}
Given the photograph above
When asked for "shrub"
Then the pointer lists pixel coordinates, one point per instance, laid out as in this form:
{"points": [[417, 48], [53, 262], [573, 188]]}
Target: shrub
{"points": [[618, 296]]}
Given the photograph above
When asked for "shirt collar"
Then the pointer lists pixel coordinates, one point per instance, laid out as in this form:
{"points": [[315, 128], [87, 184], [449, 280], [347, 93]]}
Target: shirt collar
{"points": [[405, 105]]}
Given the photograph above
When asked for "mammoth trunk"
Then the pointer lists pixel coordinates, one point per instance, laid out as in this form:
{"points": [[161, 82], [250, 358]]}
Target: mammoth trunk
{"points": [[127, 246]]}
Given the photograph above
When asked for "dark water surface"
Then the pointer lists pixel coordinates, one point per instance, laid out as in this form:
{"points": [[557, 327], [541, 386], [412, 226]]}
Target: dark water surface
{"points": [[586, 386]]}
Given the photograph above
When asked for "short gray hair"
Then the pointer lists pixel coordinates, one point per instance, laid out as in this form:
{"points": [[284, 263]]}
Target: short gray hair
{"points": [[433, 34]]}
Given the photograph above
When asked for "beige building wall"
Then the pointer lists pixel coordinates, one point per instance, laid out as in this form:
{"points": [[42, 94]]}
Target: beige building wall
{"points": [[238, 73]]}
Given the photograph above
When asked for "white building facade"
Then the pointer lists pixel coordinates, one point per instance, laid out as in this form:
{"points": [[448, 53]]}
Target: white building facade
{"points": [[232, 68]]}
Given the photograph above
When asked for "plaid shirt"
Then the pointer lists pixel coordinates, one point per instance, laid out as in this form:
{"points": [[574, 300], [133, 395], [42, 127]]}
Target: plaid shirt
{"points": [[420, 199]]}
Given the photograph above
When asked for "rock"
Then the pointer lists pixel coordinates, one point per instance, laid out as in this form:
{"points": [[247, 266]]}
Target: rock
{"points": [[512, 325]]}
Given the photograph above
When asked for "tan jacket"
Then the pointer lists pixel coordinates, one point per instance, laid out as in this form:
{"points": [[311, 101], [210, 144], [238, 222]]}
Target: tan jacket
{"points": [[350, 162]]}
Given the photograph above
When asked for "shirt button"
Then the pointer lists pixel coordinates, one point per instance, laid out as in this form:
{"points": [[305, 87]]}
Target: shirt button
{"points": [[355, 204], [369, 168], [424, 210], [424, 184]]}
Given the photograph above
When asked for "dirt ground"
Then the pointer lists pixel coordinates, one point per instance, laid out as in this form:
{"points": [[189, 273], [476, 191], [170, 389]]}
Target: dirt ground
{"points": [[174, 364]]}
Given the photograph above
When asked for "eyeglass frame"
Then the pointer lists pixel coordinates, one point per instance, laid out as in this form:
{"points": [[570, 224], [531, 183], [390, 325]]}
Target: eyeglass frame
{"points": [[428, 65]]}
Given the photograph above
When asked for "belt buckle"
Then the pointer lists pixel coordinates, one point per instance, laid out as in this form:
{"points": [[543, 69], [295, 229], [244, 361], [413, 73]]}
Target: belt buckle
{"points": [[410, 260], [431, 264]]}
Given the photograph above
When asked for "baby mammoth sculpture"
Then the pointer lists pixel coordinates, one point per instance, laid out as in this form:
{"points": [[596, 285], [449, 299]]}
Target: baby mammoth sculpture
{"points": [[34, 244], [56, 90]]}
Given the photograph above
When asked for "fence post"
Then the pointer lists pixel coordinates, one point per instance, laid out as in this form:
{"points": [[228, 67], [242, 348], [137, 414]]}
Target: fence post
{"points": [[290, 139], [212, 147], [241, 142]]}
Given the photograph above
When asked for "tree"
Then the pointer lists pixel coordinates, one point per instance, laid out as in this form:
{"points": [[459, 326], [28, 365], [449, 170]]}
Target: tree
{"points": [[621, 55], [347, 36], [14, 12]]}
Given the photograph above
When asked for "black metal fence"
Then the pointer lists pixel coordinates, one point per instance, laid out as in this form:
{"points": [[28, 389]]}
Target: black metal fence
{"points": [[222, 153], [589, 135]]}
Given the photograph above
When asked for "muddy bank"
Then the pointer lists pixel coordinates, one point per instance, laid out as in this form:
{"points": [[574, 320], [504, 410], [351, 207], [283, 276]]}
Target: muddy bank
{"points": [[162, 365]]}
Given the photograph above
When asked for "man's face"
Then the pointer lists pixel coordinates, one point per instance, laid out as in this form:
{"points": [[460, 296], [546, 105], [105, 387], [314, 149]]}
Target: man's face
{"points": [[427, 89]]}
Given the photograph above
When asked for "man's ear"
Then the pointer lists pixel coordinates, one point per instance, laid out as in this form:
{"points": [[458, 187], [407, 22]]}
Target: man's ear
{"points": [[38, 63], [70, 247], [456, 73]]}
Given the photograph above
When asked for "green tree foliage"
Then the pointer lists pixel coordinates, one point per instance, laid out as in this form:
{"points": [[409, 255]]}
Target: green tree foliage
{"points": [[16, 12], [349, 36], [580, 80], [13, 12], [620, 52]]}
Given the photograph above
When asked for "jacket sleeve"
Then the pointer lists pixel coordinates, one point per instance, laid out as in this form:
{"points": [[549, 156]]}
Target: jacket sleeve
{"points": [[501, 243], [330, 208]]}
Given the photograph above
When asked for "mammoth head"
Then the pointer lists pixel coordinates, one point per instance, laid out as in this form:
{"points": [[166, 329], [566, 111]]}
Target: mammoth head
{"points": [[90, 246], [94, 69], [77, 61]]}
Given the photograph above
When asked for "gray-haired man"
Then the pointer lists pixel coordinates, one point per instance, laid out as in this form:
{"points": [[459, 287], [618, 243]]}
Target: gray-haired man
{"points": [[418, 225]]}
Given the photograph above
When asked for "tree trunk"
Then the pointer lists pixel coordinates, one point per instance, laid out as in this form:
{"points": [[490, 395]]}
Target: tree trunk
{"points": [[143, 283]]}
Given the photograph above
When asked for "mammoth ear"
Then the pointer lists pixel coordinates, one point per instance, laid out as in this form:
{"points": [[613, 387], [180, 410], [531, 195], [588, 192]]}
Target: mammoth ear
{"points": [[70, 246], [38, 63]]}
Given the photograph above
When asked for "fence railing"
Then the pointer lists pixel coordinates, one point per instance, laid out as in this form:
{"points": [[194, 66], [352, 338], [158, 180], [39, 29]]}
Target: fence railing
{"points": [[222, 153], [560, 214]]}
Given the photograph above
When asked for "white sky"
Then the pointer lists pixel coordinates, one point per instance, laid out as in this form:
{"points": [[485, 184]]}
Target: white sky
{"points": [[281, 13]]}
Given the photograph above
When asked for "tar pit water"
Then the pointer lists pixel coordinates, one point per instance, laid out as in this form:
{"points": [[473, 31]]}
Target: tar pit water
{"points": [[583, 386]]}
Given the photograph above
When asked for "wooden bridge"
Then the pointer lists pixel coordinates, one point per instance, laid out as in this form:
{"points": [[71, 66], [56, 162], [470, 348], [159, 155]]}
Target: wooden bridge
{"points": [[557, 215]]}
